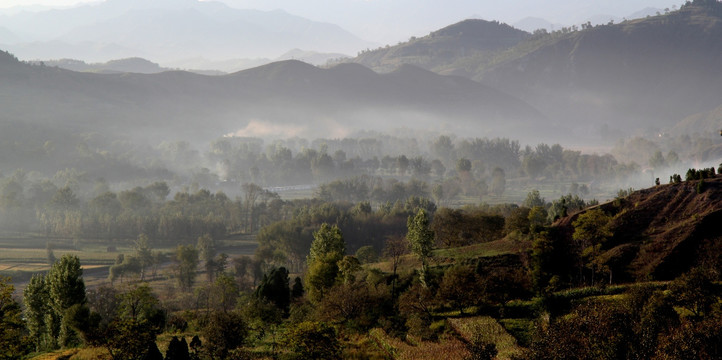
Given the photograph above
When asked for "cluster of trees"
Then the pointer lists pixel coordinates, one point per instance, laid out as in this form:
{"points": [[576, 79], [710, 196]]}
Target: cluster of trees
{"points": [[60, 212], [682, 322], [701, 174]]}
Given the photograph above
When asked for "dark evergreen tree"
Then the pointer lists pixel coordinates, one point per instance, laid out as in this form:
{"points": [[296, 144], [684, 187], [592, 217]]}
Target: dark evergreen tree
{"points": [[297, 289], [274, 288], [153, 353], [177, 349]]}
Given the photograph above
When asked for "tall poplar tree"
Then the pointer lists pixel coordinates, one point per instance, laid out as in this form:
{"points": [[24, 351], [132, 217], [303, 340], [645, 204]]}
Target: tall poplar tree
{"points": [[421, 240], [36, 297], [66, 288]]}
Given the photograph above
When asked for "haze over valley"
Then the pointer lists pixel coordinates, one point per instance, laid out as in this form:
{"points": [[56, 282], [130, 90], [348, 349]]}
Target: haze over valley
{"points": [[395, 179]]}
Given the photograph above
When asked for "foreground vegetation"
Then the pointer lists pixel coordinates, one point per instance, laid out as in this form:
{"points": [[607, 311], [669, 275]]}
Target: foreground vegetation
{"points": [[479, 282]]}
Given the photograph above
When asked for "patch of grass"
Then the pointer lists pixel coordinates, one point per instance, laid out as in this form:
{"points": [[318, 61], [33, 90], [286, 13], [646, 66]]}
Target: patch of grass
{"points": [[487, 329], [91, 354], [56, 355], [446, 348], [521, 329], [492, 248]]}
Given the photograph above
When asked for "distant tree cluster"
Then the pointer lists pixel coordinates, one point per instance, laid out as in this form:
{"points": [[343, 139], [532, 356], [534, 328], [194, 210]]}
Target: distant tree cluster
{"points": [[694, 174]]}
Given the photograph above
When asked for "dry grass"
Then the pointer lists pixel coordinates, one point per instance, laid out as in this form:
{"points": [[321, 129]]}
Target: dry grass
{"points": [[487, 329], [446, 348], [57, 355]]}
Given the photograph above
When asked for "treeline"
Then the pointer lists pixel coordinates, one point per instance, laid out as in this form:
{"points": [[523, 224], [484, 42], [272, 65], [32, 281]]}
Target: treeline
{"points": [[92, 165], [298, 161], [60, 212]]}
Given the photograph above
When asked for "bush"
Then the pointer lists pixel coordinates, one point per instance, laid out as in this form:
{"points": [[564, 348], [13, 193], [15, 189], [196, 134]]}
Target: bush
{"points": [[224, 332], [314, 341]]}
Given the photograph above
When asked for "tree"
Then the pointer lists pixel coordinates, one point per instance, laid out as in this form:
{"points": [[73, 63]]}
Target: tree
{"points": [[50, 254], [327, 240], [144, 254], [13, 343], [207, 250], [251, 193], [66, 288], [225, 331], [695, 291], [127, 339], [421, 239], [275, 288], [327, 249], [347, 268], [366, 254], [186, 265], [459, 287], [224, 293], [297, 288], [127, 327], [177, 349], [36, 297], [314, 341], [152, 353], [498, 181], [321, 275], [537, 218], [534, 199], [591, 230]]}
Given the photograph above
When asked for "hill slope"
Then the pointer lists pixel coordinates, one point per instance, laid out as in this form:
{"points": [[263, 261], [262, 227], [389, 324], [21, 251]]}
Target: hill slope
{"points": [[638, 74], [660, 232]]}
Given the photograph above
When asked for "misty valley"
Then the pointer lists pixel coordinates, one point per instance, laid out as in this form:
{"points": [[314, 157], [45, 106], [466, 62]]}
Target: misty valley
{"points": [[480, 192]]}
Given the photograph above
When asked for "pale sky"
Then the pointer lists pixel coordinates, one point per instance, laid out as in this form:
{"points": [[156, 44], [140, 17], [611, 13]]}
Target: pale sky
{"points": [[377, 20]]}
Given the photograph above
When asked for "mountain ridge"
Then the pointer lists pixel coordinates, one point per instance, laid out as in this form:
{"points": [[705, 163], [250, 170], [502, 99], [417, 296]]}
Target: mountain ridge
{"points": [[176, 104], [167, 31]]}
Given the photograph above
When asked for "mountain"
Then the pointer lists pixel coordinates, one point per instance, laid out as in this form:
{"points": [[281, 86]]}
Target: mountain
{"points": [[311, 57], [311, 101], [638, 74], [661, 232], [435, 51], [129, 65], [164, 30]]}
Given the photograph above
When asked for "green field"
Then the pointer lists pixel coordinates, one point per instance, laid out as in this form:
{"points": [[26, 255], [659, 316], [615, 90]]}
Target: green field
{"points": [[23, 256]]}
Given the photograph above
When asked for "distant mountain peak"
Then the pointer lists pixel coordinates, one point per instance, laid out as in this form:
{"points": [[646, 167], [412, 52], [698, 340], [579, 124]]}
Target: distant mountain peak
{"points": [[473, 28], [465, 38]]}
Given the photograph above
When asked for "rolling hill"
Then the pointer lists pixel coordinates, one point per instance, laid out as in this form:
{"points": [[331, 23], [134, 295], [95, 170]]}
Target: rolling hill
{"points": [[290, 95]]}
